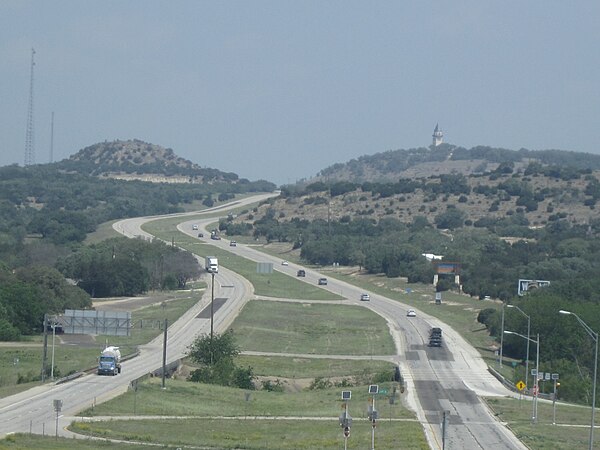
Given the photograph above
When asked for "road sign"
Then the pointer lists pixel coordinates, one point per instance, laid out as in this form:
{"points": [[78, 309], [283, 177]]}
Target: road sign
{"points": [[547, 376], [555, 376], [535, 390], [520, 385], [383, 391]]}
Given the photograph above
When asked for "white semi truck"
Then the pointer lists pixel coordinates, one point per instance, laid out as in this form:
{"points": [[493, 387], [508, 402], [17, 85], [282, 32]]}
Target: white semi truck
{"points": [[109, 362], [211, 264]]}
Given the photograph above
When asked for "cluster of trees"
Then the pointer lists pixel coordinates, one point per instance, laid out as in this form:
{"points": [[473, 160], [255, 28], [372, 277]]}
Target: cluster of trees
{"points": [[128, 267], [215, 356], [114, 267], [565, 347], [451, 184], [27, 293]]}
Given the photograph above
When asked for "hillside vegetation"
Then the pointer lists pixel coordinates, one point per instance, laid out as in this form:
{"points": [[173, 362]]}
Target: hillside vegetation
{"points": [[47, 210], [448, 158]]}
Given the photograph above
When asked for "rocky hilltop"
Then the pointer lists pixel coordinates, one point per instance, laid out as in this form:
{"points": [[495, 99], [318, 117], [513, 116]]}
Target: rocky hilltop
{"points": [[449, 187], [449, 159], [135, 159]]}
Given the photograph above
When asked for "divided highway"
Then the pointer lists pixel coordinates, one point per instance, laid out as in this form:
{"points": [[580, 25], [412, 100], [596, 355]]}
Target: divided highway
{"points": [[450, 378]]}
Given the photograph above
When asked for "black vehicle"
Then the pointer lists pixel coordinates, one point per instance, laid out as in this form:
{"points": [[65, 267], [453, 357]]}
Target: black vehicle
{"points": [[435, 337], [435, 342], [301, 273]]}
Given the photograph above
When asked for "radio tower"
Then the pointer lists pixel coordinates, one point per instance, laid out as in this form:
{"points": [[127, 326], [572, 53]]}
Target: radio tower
{"points": [[52, 138], [29, 136]]}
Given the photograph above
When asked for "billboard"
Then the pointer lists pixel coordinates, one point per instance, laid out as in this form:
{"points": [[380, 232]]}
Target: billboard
{"points": [[112, 323], [445, 268], [264, 267], [528, 285]]}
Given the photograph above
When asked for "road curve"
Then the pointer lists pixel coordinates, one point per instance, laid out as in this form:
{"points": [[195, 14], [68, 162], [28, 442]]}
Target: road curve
{"points": [[32, 410]]}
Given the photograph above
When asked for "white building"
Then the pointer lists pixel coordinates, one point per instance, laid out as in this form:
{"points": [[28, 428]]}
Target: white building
{"points": [[437, 136]]}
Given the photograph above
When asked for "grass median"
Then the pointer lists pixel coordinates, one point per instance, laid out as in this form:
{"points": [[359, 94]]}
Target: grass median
{"points": [[224, 417], [315, 328], [275, 284]]}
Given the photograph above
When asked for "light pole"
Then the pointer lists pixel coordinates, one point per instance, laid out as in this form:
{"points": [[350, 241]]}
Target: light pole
{"points": [[53, 335], [594, 336], [502, 334], [536, 387], [528, 334], [212, 303]]}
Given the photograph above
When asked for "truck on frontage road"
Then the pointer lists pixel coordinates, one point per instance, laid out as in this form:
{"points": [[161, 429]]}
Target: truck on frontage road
{"points": [[109, 362], [211, 264]]}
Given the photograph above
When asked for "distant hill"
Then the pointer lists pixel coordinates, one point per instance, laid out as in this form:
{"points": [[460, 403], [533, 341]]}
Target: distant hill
{"points": [[135, 159], [481, 187], [445, 159]]}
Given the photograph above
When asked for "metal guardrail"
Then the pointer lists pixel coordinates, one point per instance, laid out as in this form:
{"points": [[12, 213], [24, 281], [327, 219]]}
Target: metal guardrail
{"points": [[509, 385]]}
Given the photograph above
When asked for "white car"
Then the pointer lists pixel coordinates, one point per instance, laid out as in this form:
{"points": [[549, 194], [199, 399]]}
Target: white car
{"points": [[411, 313], [284, 263], [365, 298]]}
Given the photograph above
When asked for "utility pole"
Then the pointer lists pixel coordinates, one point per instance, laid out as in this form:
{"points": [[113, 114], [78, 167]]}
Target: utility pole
{"points": [[29, 135], [45, 351], [164, 361], [212, 312]]}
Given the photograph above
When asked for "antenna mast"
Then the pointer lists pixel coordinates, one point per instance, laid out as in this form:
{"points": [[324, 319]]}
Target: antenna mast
{"points": [[52, 138], [29, 136]]}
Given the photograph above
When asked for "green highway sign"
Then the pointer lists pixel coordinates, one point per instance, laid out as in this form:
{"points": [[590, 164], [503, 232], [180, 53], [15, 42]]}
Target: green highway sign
{"points": [[382, 391]]}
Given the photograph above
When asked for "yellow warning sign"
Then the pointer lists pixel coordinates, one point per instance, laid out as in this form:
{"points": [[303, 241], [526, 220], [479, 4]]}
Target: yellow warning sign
{"points": [[520, 385]]}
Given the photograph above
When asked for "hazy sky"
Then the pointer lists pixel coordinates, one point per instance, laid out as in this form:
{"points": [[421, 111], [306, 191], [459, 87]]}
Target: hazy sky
{"points": [[282, 89]]}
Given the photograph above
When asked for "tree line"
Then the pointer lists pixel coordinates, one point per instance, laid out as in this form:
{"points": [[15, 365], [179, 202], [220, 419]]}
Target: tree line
{"points": [[46, 214], [566, 254]]}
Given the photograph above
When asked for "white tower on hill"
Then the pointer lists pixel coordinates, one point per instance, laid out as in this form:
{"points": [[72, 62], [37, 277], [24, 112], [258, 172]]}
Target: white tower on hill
{"points": [[437, 136]]}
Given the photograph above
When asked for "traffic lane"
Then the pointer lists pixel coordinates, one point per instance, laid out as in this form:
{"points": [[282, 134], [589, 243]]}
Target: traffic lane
{"points": [[439, 384]]}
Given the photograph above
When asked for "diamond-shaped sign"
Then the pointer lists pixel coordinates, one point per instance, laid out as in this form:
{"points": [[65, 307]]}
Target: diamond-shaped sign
{"points": [[520, 385]]}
